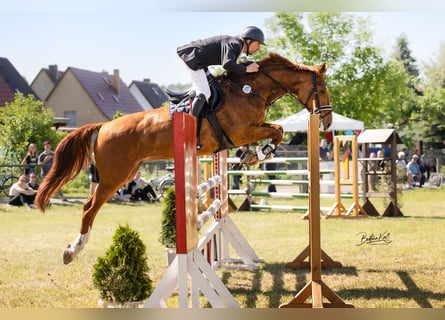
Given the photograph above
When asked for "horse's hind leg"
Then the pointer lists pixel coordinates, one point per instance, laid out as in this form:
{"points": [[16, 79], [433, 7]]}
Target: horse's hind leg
{"points": [[90, 209]]}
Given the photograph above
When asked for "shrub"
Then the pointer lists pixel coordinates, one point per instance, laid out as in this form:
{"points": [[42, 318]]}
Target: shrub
{"points": [[121, 275], [168, 221]]}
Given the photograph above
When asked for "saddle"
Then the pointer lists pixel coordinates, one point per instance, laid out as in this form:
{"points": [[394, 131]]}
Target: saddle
{"points": [[180, 101]]}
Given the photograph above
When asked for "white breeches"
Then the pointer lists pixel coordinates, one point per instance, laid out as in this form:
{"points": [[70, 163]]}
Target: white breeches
{"points": [[199, 82]]}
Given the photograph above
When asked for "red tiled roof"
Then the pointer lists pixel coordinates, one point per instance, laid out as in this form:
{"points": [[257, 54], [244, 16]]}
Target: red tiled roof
{"points": [[6, 95], [11, 82]]}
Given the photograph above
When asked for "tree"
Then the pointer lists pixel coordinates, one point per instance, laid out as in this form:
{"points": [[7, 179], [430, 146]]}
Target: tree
{"points": [[361, 83], [118, 114], [429, 124], [403, 54], [24, 121]]}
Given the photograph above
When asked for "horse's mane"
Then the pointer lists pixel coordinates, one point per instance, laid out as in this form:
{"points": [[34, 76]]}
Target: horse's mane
{"points": [[273, 60]]}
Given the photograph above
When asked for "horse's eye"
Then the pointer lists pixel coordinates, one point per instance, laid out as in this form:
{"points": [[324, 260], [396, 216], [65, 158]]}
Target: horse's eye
{"points": [[322, 91]]}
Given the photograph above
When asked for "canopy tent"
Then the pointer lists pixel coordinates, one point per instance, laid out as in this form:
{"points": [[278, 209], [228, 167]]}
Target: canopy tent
{"points": [[298, 122]]}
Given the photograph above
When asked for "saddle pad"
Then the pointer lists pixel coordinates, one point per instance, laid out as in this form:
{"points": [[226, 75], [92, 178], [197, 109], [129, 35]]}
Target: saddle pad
{"points": [[183, 106]]}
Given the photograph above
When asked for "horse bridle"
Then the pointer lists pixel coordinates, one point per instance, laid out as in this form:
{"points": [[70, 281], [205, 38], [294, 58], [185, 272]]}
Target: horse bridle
{"points": [[315, 84]]}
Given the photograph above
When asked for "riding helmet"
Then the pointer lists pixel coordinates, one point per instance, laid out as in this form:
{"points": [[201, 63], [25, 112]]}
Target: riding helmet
{"points": [[253, 33]]}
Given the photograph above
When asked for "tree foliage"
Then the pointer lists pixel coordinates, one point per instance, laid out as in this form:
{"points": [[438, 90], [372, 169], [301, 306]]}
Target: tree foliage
{"points": [[24, 121], [429, 123], [362, 84]]}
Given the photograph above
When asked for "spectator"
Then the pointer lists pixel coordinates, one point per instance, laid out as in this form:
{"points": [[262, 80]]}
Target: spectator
{"points": [[20, 194], [270, 166], [45, 161], [422, 169], [413, 171], [381, 157], [401, 167], [142, 189], [122, 194], [373, 167], [429, 162], [32, 183], [238, 166], [31, 160], [325, 154]]}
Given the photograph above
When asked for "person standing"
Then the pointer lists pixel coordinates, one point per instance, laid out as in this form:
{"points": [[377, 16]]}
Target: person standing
{"points": [[46, 159], [31, 160], [271, 166]]}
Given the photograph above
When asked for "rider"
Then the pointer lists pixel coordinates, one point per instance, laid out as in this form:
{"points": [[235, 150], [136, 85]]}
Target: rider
{"points": [[218, 50]]}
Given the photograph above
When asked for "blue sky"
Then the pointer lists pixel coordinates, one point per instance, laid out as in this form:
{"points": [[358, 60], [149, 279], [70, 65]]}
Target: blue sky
{"points": [[142, 44]]}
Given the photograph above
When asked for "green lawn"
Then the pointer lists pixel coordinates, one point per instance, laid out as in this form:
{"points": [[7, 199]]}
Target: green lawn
{"points": [[407, 272]]}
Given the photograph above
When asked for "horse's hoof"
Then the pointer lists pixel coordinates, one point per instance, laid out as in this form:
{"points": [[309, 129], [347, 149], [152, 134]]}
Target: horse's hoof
{"points": [[67, 257], [248, 157]]}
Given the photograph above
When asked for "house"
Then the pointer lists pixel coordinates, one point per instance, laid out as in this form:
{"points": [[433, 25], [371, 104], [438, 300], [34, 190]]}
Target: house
{"points": [[90, 97], [148, 94], [45, 81], [11, 82]]}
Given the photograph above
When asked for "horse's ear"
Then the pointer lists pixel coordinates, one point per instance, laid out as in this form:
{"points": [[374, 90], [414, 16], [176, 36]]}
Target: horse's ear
{"points": [[323, 68]]}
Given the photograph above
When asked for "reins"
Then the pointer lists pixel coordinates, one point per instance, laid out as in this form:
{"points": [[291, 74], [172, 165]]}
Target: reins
{"points": [[318, 108]]}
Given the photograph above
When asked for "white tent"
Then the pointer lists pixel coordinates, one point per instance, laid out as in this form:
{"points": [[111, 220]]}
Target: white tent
{"points": [[298, 122]]}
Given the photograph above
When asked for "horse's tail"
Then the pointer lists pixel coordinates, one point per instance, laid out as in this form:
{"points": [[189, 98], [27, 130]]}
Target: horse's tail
{"points": [[69, 158]]}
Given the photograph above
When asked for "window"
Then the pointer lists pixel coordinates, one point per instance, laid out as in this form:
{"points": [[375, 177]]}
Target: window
{"points": [[71, 115]]}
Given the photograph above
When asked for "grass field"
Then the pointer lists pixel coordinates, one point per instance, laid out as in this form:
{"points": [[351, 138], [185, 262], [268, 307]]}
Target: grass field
{"points": [[408, 272]]}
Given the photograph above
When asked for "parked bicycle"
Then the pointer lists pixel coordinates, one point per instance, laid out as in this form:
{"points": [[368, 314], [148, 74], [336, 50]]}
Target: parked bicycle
{"points": [[162, 184], [6, 181]]}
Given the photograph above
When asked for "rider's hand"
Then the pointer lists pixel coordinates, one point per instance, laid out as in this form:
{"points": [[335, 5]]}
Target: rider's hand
{"points": [[253, 67]]}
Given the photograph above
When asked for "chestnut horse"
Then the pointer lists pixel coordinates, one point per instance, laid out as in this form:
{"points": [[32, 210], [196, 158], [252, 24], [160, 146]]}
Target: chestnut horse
{"points": [[118, 147]]}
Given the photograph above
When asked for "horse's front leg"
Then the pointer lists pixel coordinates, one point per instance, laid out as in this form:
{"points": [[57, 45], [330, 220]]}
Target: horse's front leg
{"points": [[266, 131], [276, 133], [74, 248]]}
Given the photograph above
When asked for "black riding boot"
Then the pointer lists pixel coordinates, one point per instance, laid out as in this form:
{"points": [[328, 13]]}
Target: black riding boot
{"points": [[198, 104]]}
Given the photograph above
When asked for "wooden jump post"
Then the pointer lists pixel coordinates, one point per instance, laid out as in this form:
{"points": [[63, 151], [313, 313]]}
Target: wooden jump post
{"points": [[339, 210], [196, 258], [189, 266], [315, 287]]}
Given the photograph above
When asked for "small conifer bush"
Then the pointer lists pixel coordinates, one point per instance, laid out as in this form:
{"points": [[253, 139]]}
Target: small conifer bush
{"points": [[121, 275], [168, 221]]}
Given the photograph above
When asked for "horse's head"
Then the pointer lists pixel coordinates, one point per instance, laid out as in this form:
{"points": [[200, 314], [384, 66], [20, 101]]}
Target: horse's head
{"points": [[305, 83]]}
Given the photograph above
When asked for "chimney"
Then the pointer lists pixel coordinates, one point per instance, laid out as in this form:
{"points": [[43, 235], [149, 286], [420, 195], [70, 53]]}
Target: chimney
{"points": [[117, 81], [147, 80], [53, 71]]}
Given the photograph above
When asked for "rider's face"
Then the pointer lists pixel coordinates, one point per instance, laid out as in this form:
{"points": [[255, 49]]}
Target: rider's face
{"points": [[250, 47], [254, 47]]}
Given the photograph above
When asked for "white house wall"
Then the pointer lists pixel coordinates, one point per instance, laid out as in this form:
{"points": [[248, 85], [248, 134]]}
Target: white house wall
{"points": [[140, 97]]}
